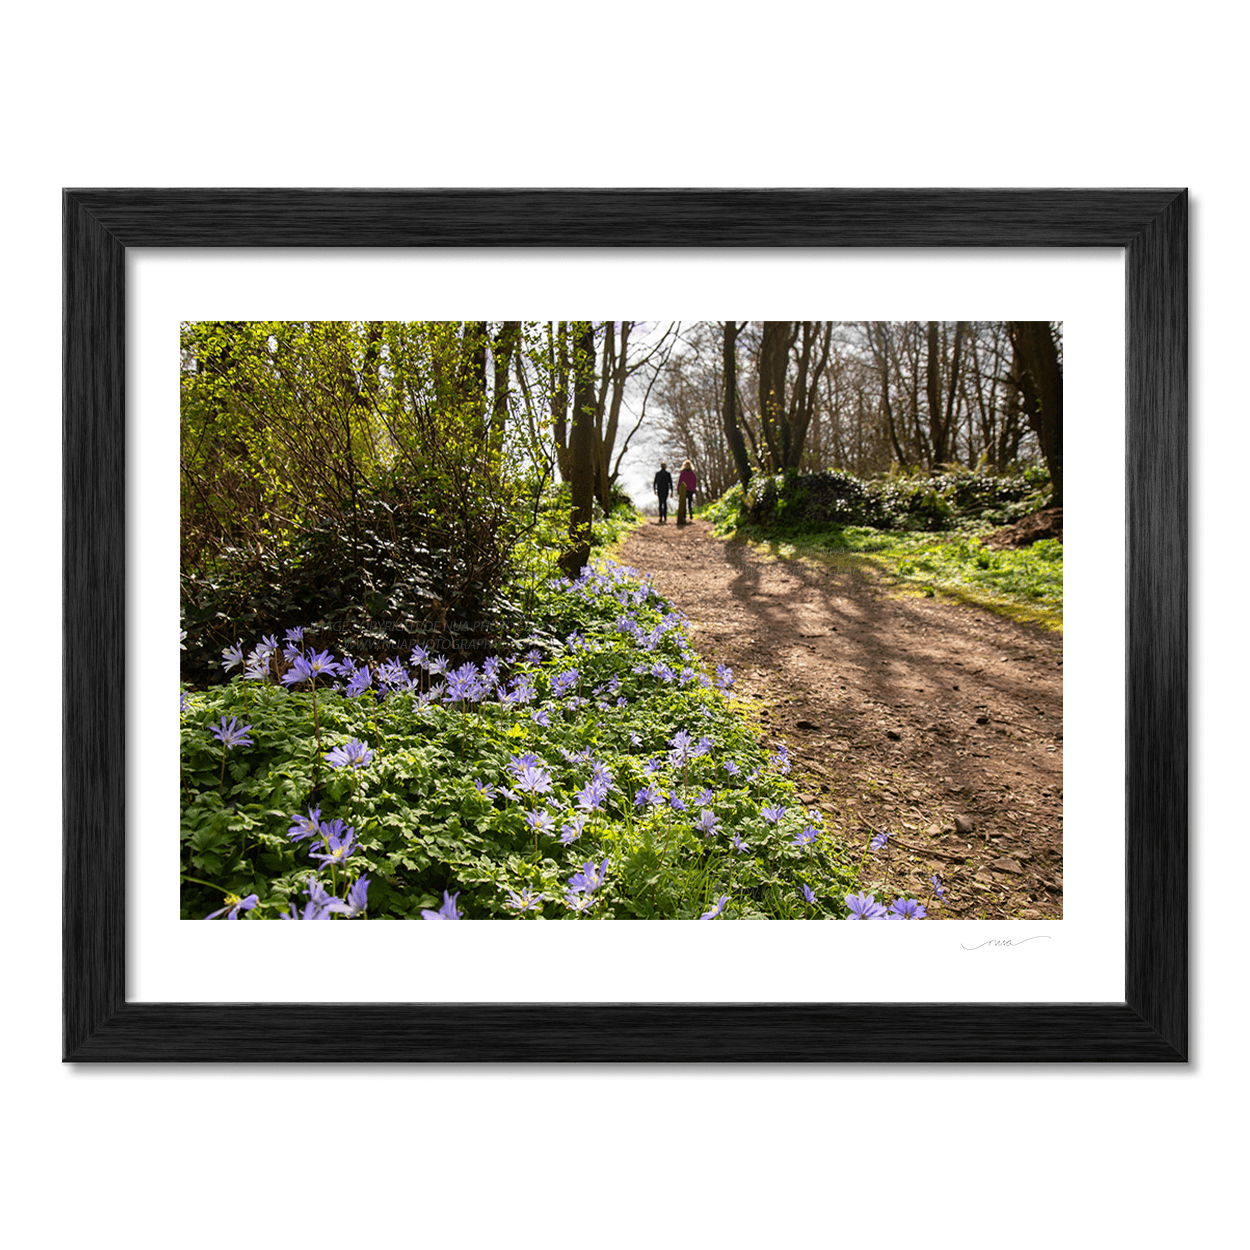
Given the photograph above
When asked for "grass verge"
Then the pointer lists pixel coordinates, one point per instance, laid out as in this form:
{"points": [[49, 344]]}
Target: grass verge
{"points": [[1024, 585]]}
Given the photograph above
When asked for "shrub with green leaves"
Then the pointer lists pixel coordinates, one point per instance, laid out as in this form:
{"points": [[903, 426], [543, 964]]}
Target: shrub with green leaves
{"points": [[603, 775], [929, 502], [344, 475]]}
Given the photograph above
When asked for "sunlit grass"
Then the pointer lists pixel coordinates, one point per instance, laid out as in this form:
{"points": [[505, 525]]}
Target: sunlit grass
{"points": [[1023, 585]]}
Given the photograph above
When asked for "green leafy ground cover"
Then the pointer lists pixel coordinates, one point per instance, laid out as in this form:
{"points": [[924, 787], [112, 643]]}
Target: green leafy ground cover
{"points": [[605, 774]]}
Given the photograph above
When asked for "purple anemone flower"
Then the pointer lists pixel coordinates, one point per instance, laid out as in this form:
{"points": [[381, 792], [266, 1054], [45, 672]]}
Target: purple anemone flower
{"points": [[571, 831], [648, 794], [562, 683], [305, 826], [302, 670], [357, 900], [257, 666], [232, 734], [717, 909], [446, 912], [681, 744], [533, 780], [864, 907], [590, 878], [592, 795], [907, 909], [360, 681], [352, 754], [234, 905], [321, 662], [540, 822], [525, 900], [320, 904], [340, 842]]}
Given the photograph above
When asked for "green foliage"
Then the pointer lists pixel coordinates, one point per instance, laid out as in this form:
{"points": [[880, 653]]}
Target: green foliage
{"points": [[608, 531], [512, 606], [952, 500], [348, 476], [423, 825], [727, 513]]}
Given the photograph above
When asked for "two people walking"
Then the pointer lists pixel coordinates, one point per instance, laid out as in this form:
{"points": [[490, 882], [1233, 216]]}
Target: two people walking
{"points": [[687, 484]]}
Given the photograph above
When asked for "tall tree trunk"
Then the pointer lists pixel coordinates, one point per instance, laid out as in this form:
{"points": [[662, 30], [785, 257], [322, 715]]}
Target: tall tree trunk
{"points": [[581, 449], [558, 363], [806, 388], [473, 368], [949, 438], [1039, 376], [733, 431], [503, 347], [775, 344], [933, 392], [883, 363], [611, 396]]}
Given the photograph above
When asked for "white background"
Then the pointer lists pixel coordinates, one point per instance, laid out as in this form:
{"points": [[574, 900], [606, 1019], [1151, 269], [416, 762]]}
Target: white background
{"points": [[549, 94]]}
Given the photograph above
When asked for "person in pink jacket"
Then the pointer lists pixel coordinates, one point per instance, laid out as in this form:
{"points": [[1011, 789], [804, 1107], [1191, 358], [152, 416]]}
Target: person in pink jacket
{"points": [[688, 478]]}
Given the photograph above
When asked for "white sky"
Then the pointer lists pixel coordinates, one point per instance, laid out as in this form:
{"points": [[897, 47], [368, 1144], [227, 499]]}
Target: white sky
{"points": [[649, 446]]}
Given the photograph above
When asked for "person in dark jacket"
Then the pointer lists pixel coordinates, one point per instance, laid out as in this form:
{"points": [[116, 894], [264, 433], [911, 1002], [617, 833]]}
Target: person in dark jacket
{"points": [[663, 484], [690, 481]]}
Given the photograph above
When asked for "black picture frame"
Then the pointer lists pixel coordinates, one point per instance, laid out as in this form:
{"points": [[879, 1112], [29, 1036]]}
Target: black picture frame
{"points": [[1150, 1024]]}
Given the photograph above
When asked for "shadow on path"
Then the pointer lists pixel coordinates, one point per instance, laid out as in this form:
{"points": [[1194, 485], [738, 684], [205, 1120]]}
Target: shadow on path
{"points": [[906, 712]]}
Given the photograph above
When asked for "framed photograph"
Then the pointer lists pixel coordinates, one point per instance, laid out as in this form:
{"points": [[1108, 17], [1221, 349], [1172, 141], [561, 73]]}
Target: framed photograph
{"points": [[100, 1023]]}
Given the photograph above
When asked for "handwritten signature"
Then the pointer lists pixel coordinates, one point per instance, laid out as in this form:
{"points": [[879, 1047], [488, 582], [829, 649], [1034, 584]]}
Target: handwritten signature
{"points": [[1006, 941]]}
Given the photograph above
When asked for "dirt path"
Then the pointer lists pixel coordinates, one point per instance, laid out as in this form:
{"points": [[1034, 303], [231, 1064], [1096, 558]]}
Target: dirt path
{"points": [[906, 714]]}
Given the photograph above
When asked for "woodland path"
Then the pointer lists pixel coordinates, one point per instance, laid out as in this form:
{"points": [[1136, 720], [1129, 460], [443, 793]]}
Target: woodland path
{"points": [[939, 723]]}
